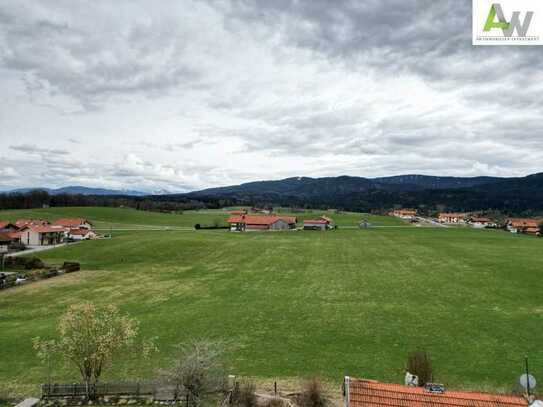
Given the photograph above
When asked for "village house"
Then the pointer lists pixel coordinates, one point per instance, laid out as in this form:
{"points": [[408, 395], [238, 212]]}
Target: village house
{"points": [[36, 235], [371, 393], [452, 217], [322, 223], [80, 234], [258, 222], [523, 225], [480, 222], [408, 214], [73, 223]]}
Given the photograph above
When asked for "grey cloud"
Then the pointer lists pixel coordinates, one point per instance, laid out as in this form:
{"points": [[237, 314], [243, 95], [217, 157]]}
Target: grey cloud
{"points": [[32, 149]]}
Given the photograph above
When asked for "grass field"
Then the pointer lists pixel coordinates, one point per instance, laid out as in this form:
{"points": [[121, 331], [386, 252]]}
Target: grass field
{"points": [[124, 218], [298, 303]]}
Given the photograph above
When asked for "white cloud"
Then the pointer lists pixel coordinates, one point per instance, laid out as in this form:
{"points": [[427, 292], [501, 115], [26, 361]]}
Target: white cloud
{"points": [[190, 94]]}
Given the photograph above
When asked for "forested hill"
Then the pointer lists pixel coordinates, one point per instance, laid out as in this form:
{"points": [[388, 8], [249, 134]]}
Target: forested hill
{"points": [[511, 195]]}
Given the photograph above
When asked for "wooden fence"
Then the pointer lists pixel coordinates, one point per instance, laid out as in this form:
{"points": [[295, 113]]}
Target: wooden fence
{"points": [[97, 390]]}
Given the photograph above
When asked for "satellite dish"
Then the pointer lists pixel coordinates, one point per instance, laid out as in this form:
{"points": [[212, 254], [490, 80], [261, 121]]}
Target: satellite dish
{"points": [[527, 381]]}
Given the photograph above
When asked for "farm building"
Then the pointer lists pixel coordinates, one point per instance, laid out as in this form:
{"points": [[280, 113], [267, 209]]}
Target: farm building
{"points": [[80, 234], [481, 222], [322, 223], [408, 214], [256, 222], [47, 235], [452, 217], [523, 225], [371, 393], [73, 223]]}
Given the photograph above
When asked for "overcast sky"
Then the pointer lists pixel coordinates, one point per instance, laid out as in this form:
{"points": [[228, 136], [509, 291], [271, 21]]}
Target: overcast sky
{"points": [[178, 95]]}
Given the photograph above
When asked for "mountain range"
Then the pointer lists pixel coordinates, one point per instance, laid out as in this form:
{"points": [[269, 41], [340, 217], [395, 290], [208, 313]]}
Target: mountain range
{"points": [[514, 195]]}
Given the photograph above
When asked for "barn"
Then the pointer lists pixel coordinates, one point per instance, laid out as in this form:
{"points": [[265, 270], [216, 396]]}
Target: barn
{"points": [[256, 222]]}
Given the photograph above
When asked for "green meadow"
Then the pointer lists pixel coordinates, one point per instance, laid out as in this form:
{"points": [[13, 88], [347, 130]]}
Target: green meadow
{"points": [[293, 304]]}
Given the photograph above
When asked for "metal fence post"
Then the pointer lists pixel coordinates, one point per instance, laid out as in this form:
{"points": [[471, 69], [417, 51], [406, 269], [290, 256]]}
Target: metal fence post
{"points": [[347, 385]]}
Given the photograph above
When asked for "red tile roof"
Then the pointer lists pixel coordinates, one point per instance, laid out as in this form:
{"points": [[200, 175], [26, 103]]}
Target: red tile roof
{"points": [[14, 235], [5, 224], [5, 237], [70, 222], [369, 393], [260, 220], [44, 229], [452, 215], [523, 222], [405, 212], [25, 222], [79, 232]]}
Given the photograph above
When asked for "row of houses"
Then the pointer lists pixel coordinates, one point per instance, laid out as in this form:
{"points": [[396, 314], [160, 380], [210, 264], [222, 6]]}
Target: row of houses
{"points": [[240, 222], [39, 232], [514, 225]]}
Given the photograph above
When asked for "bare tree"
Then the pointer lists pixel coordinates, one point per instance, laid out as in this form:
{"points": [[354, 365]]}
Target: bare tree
{"points": [[313, 394], [197, 370], [420, 364]]}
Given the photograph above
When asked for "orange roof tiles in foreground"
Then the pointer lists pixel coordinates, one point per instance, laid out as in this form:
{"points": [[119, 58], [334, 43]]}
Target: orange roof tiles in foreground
{"points": [[369, 393]]}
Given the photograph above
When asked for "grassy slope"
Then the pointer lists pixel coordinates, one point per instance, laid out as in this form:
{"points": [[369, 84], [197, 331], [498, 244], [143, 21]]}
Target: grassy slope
{"points": [[341, 302]]}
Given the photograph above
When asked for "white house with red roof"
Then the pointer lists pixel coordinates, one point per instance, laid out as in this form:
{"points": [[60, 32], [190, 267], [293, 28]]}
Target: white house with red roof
{"points": [[37, 235], [322, 223], [80, 234], [257, 222]]}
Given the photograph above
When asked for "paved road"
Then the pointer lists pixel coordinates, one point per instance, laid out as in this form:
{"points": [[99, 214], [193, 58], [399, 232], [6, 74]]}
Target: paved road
{"points": [[36, 250]]}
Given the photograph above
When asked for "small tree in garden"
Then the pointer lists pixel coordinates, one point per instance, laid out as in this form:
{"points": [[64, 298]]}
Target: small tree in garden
{"points": [[197, 370], [419, 364], [46, 351], [90, 338]]}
